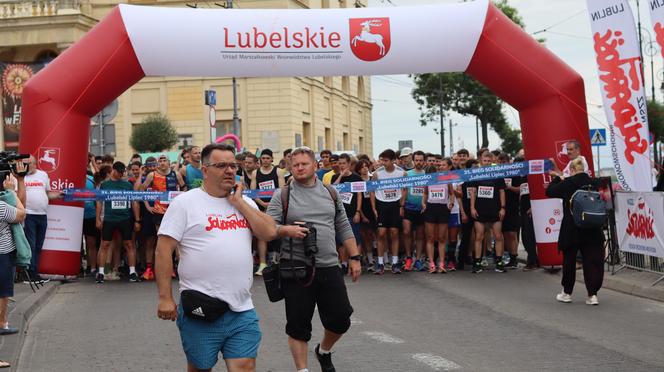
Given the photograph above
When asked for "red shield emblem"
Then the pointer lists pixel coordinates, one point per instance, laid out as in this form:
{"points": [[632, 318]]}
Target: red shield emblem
{"points": [[561, 153], [49, 159], [370, 38]]}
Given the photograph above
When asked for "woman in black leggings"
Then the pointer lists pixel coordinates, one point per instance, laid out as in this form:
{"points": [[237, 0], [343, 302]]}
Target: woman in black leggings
{"points": [[572, 238]]}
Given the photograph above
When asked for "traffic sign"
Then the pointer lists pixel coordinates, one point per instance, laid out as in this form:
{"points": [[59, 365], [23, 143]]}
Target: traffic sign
{"points": [[213, 117], [598, 137], [210, 98]]}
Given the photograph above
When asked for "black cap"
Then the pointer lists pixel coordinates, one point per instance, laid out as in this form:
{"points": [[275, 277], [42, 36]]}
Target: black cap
{"points": [[334, 157], [267, 152], [119, 166]]}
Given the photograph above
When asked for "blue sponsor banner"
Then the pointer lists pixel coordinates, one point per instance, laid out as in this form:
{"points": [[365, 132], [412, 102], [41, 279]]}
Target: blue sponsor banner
{"points": [[463, 175]]}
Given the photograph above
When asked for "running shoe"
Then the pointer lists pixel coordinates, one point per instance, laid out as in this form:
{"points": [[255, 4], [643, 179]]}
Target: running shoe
{"points": [[500, 267], [100, 278], [370, 267], [148, 274], [380, 269], [418, 265], [112, 276], [564, 297], [396, 268], [409, 264], [441, 268], [512, 265], [477, 267], [325, 360], [592, 300], [451, 266], [261, 267], [133, 277], [485, 261], [530, 267], [432, 268]]}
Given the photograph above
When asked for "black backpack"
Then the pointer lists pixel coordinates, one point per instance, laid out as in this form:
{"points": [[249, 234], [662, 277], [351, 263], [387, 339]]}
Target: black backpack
{"points": [[587, 208]]}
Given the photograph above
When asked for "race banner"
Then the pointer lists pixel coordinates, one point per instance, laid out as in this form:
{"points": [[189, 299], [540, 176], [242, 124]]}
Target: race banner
{"points": [[621, 83], [13, 77], [464, 175], [639, 226], [657, 19]]}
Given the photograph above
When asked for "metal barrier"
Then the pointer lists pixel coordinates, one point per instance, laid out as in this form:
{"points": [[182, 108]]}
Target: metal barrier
{"points": [[619, 259]]}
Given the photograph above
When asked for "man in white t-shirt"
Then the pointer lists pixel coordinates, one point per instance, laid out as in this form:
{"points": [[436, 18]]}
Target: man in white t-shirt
{"points": [[573, 152], [37, 195], [213, 227]]}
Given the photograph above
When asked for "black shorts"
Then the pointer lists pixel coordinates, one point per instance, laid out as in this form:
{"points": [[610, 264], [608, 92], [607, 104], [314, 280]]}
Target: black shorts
{"points": [[415, 217], [437, 213], [90, 227], [148, 228], [7, 270], [388, 214], [511, 222], [328, 292], [487, 218], [109, 227]]}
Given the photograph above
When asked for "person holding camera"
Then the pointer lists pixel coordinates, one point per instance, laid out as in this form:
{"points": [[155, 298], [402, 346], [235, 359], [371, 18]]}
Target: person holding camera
{"points": [[308, 219], [213, 225]]}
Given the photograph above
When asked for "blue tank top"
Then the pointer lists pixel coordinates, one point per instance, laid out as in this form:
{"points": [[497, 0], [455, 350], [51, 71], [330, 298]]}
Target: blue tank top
{"points": [[415, 194], [194, 177], [89, 208]]}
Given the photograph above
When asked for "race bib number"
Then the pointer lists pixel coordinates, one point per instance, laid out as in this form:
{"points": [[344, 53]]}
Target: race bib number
{"points": [[266, 185], [508, 182], [119, 204], [485, 192], [524, 189], [437, 194], [417, 191], [391, 194], [346, 197]]}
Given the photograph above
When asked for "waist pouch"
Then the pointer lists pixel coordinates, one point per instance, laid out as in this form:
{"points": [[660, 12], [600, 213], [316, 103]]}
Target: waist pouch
{"points": [[273, 283], [197, 305], [293, 269]]}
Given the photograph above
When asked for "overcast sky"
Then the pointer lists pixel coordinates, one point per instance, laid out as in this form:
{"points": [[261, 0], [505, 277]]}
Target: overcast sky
{"points": [[567, 35]]}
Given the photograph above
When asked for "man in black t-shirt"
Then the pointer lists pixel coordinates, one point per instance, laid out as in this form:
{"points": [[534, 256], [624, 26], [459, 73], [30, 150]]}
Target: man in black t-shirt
{"points": [[487, 206], [467, 238], [352, 204], [511, 222]]}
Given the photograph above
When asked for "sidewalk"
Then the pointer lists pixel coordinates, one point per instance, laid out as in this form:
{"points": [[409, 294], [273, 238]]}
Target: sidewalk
{"points": [[629, 281], [25, 306]]}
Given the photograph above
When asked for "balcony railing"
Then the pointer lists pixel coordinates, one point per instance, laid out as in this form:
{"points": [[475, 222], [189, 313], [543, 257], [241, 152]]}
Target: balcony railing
{"points": [[39, 8]]}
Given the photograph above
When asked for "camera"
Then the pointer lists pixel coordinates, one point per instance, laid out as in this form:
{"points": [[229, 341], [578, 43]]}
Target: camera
{"points": [[309, 242], [8, 164]]}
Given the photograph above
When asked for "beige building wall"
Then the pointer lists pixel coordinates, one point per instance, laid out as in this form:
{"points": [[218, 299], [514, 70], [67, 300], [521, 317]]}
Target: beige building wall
{"points": [[278, 113]]}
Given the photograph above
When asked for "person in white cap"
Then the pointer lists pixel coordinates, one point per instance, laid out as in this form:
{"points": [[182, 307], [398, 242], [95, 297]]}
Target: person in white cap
{"points": [[406, 158]]}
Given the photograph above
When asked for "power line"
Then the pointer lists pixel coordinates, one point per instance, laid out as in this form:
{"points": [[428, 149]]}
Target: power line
{"points": [[559, 22]]}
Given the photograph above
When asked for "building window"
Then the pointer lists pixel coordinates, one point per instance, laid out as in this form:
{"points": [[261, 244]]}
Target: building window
{"points": [[298, 140], [226, 127], [360, 88], [306, 134], [328, 81], [185, 141]]}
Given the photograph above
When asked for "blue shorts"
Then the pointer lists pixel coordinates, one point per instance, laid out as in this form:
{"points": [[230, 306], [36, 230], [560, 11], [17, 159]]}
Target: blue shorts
{"points": [[235, 335], [454, 221]]}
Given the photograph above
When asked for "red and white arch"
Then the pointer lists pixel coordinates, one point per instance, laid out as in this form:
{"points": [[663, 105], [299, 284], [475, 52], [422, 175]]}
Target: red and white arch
{"points": [[133, 42]]}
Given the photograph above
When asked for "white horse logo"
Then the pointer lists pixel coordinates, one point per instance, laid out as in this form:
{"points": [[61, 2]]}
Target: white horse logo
{"points": [[46, 158], [369, 37]]}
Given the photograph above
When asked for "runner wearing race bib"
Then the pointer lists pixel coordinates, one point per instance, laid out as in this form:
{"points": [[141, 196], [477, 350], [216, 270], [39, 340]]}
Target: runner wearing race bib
{"points": [[117, 216], [367, 217], [352, 202], [437, 203], [487, 205], [527, 227], [386, 206], [467, 239], [413, 219]]}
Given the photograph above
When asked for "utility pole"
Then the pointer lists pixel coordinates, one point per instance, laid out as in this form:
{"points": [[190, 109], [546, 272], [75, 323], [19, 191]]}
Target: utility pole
{"points": [[451, 139], [442, 117], [236, 118]]}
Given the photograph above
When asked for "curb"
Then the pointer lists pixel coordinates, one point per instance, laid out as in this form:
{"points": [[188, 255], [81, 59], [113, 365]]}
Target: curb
{"points": [[22, 314]]}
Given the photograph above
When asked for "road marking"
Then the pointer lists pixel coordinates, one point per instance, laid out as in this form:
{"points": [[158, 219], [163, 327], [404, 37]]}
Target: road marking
{"points": [[436, 362], [384, 337]]}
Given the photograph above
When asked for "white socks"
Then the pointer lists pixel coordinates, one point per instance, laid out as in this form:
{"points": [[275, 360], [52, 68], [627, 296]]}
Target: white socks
{"points": [[395, 260], [101, 270], [303, 370], [380, 260], [132, 270], [323, 351]]}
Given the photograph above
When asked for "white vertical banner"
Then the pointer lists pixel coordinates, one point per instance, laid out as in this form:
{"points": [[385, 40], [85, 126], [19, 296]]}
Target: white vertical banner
{"points": [[657, 19], [639, 226], [621, 83]]}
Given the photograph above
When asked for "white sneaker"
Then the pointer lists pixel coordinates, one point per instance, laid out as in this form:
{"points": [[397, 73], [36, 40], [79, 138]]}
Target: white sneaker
{"points": [[564, 297], [259, 272], [592, 300]]}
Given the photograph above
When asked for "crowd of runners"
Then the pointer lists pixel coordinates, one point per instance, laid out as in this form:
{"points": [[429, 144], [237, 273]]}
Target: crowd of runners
{"points": [[434, 229]]}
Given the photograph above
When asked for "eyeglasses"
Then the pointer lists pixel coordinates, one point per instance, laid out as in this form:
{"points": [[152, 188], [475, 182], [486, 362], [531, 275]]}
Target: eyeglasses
{"points": [[223, 165]]}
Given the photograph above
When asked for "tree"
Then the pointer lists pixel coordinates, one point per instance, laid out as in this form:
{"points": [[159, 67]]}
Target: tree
{"points": [[461, 93], [155, 133], [656, 123]]}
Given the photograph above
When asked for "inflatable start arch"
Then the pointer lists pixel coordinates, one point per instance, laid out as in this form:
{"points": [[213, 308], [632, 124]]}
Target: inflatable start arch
{"points": [[133, 42]]}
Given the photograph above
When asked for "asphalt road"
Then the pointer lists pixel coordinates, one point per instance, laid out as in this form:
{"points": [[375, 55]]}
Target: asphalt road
{"points": [[412, 322]]}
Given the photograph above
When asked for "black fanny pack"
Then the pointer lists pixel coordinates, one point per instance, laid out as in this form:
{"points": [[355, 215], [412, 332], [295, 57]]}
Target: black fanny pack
{"points": [[292, 269], [197, 305]]}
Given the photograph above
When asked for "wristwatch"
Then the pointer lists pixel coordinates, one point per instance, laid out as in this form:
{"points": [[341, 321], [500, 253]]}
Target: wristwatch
{"points": [[356, 258]]}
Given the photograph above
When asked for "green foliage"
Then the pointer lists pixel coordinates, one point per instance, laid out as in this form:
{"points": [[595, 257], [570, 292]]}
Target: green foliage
{"points": [[656, 119], [465, 95], [154, 134]]}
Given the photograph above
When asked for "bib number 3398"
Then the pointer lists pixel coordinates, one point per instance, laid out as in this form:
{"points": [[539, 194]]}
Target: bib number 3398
{"points": [[485, 192], [119, 204]]}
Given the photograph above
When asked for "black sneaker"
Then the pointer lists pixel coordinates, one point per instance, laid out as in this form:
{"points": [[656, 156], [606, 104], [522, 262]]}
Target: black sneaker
{"points": [[99, 278], [325, 360], [500, 267], [133, 277], [396, 268], [477, 267]]}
